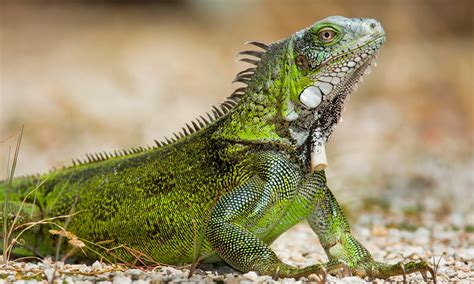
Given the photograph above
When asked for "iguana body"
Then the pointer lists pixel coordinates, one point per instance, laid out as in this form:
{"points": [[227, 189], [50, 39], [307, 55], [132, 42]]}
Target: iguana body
{"points": [[232, 185]]}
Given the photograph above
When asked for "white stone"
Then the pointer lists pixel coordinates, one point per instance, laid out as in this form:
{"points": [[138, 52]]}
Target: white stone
{"points": [[97, 265], [49, 273], [120, 279], [252, 275]]}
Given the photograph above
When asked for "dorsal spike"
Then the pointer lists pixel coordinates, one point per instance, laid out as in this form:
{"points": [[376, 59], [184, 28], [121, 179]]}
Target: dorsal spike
{"points": [[157, 143], [201, 122], [226, 107], [190, 128], [251, 61], [218, 111], [209, 116], [185, 131], [258, 44], [231, 102], [196, 126], [242, 79], [176, 135], [250, 70], [254, 53], [239, 90], [204, 120], [246, 76], [236, 96]]}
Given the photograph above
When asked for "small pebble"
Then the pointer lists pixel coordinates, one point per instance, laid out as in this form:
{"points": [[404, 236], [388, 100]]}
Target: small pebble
{"points": [[49, 273], [120, 279], [252, 276], [352, 280]]}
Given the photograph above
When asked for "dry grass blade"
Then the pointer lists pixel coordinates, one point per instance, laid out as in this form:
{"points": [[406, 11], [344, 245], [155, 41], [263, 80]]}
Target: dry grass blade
{"points": [[10, 175], [17, 215], [29, 225]]}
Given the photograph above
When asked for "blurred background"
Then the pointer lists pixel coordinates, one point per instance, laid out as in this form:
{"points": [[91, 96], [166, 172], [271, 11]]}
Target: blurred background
{"points": [[89, 76]]}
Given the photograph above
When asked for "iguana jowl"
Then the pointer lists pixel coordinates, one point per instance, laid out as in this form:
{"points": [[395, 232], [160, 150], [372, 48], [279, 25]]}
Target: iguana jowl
{"points": [[230, 184]]}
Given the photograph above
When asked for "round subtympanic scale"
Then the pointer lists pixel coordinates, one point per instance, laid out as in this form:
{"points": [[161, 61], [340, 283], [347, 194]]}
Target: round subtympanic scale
{"points": [[311, 97]]}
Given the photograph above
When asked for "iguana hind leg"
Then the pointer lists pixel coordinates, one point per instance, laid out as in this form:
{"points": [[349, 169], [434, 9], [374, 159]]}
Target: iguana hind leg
{"points": [[329, 223]]}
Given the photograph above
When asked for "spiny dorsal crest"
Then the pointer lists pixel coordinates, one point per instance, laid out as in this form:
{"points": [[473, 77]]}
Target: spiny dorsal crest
{"points": [[200, 122]]}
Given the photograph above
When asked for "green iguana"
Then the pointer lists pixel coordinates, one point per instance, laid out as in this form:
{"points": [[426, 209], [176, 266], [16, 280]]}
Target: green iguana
{"points": [[229, 184]]}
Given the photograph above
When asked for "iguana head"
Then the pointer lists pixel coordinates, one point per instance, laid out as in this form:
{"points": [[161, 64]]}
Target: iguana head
{"points": [[296, 94], [327, 61]]}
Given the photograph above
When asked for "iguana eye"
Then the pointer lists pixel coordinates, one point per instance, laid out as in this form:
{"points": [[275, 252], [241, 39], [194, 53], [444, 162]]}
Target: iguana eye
{"points": [[326, 35]]}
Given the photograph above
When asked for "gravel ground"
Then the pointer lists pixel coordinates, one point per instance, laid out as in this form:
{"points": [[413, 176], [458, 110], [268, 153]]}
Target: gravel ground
{"points": [[452, 250]]}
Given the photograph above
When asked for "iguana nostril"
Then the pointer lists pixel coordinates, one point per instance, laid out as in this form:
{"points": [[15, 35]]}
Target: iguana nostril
{"points": [[372, 25]]}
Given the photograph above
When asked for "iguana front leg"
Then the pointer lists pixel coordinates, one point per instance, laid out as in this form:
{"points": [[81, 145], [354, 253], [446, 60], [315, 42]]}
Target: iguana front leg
{"points": [[232, 225], [329, 223]]}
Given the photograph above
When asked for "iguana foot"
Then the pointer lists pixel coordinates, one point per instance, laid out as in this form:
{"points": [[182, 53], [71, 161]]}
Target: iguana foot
{"points": [[373, 269], [284, 271]]}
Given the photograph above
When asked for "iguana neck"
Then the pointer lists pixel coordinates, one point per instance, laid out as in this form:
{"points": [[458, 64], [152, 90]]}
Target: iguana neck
{"points": [[259, 116]]}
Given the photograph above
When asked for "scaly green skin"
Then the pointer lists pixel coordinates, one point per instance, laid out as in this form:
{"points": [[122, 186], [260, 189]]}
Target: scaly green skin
{"points": [[228, 190]]}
